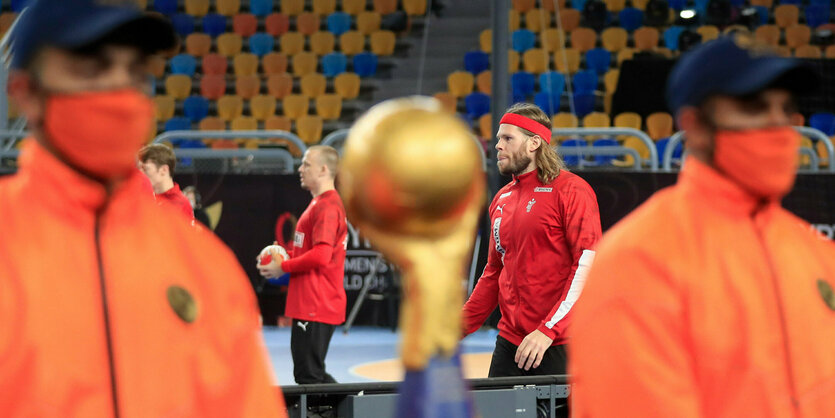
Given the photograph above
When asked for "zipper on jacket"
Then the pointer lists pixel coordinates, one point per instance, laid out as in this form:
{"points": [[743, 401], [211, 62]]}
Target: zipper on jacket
{"points": [[783, 325], [106, 315]]}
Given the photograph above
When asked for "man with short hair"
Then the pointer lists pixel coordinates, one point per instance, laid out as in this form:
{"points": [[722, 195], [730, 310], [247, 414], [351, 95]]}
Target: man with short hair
{"points": [[110, 306], [545, 225], [316, 298], [157, 162], [710, 299]]}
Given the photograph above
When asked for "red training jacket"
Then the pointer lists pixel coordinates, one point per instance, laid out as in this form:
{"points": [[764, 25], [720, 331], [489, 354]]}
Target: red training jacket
{"points": [[175, 198], [540, 253]]}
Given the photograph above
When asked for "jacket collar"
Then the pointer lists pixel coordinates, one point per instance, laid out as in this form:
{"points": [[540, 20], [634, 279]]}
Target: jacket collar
{"points": [[721, 193], [527, 178]]}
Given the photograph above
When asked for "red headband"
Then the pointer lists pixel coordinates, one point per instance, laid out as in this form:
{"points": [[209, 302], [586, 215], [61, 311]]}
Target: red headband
{"points": [[529, 124]]}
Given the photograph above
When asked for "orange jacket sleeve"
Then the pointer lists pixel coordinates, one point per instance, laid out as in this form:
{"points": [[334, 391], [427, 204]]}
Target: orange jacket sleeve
{"points": [[629, 332]]}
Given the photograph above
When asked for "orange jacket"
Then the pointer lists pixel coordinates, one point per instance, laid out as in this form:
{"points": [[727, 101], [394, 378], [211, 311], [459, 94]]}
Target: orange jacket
{"points": [[704, 303], [86, 325]]}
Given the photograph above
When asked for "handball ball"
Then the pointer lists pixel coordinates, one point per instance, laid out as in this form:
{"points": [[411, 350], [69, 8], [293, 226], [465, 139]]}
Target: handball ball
{"points": [[266, 256]]}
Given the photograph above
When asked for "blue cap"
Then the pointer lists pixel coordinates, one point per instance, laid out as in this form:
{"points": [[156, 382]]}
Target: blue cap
{"points": [[69, 24], [735, 66]]}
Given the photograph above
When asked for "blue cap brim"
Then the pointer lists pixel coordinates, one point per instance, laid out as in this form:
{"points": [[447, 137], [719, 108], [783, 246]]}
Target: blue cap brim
{"points": [[799, 77]]}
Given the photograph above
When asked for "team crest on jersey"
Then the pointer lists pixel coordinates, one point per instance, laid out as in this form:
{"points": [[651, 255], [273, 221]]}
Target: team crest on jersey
{"points": [[543, 189], [530, 205], [298, 240]]}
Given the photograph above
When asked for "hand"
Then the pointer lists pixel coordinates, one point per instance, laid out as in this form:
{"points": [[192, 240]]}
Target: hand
{"points": [[533, 347], [271, 270], [273, 267]]}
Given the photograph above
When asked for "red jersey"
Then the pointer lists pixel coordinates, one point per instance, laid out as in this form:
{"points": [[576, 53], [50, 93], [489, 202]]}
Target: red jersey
{"points": [[317, 264], [175, 198], [540, 252]]}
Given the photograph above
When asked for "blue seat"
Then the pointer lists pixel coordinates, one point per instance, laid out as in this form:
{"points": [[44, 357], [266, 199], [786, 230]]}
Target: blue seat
{"points": [[825, 3], [214, 24], [700, 6], [816, 15], [677, 4], [183, 24], [334, 64], [196, 108], [573, 143], [261, 44], [522, 83], [339, 23], [598, 60], [261, 8], [517, 98], [578, 4], [178, 123], [166, 7], [476, 61], [365, 64], [824, 122], [183, 64], [583, 104], [477, 104], [522, 40], [605, 159], [585, 82], [661, 146], [671, 36], [631, 18], [763, 14], [548, 101], [552, 81]]}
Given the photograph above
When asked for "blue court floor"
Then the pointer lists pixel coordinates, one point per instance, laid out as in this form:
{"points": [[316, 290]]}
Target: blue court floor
{"points": [[361, 346]]}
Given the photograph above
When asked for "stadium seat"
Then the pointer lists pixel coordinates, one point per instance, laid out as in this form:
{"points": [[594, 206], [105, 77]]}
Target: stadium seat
{"points": [[338, 23], [178, 123], [628, 120], [595, 15], [569, 19], [164, 107], [646, 38], [6, 21], [548, 101], [610, 80], [522, 83], [448, 102], [786, 15], [597, 120], [485, 125], [535, 61], [309, 129], [583, 39], [523, 6], [313, 84], [156, 66], [295, 106], [229, 44], [552, 81], [322, 43], [598, 60], [304, 63], [324, 7], [365, 64], [572, 159], [183, 24], [382, 42], [278, 123], [384, 7], [513, 20], [368, 22], [522, 40], [624, 55], [659, 125], [212, 86], [615, 6], [184, 64], [476, 104], [636, 144], [261, 44], [550, 5], [166, 7], [583, 103], [230, 107], [211, 123], [244, 24], [261, 8], [476, 62], [584, 81], [671, 36], [247, 86], [567, 60], [279, 85], [661, 146], [277, 24], [798, 35], [708, 32], [274, 63], [262, 106], [198, 44], [816, 15], [351, 43], [614, 39], [808, 51], [552, 39], [178, 86], [824, 122], [307, 23], [563, 120], [195, 108], [484, 82], [829, 52], [769, 34], [245, 64], [334, 64], [536, 20], [414, 7], [656, 13], [228, 7], [485, 40], [460, 83], [347, 85], [512, 61], [823, 154], [214, 24], [607, 159], [631, 18], [329, 106], [243, 123], [291, 7], [291, 43], [353, 7]]}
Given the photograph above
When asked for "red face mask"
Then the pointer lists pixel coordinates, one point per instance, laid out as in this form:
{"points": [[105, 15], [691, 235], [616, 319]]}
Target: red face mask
{"points": [[762, 161], [99, 132]]}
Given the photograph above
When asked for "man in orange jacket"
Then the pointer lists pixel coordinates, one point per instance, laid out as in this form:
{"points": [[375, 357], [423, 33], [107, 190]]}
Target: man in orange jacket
{"points": [[111, 305], [711, 300]]}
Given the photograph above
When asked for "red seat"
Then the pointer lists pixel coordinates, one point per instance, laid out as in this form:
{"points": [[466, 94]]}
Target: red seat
{"points": [[213, 86], [214, 64], [244, 24], [277, 24]]}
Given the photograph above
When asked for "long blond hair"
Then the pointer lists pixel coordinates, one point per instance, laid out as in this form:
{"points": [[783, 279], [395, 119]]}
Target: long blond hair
{"points": [[548, 162]]}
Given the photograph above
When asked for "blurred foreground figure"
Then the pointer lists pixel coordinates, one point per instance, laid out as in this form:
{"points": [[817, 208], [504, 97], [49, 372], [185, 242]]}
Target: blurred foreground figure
{"points": [[711, 300], [111, 305]]}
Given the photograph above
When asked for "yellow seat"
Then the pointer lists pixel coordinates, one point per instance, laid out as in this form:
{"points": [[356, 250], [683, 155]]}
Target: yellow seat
{"points": [[291, 7], [765, 3], [514, 20], [322, 42], [567, 60], [178, 86], [583, 39], [245, 64], [211, 123], [523, 6], [228, 7], [329, 106], [829, 52], [198, 44], [382, 42], [615, 6], [230, 107], [156, 66], [625, 54], [279, 85], [368, 22], [823, 154], [291, 43], [512, 61], [262, 106], [351, 43], [324, 7], [769, 34], [659, 125], [645, 38], [308, 23], [295, 106], [804, 159], [485, 125], [636, 144], [278, 123], [309, 129], [627, 120], [484, 82], [537, 19], [798, 35], [708, 32], [274, 63], [808, 51], [164, 107], [197, 8], [243, 123], [313, 84], [610, 80], [448, 102], [229, 44], [460, 83], [385, 7], [786, 15], [569, 19], [535, 61], [552, 39], [564, 120], [485, 40], [247, 86], [596, 120], [353, 7], [414, 7], [304, 63], [347, 85], [614, 39]]}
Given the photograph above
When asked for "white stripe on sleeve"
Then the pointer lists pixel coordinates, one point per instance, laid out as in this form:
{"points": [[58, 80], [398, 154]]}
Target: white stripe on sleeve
{"points": [[575, 289]]}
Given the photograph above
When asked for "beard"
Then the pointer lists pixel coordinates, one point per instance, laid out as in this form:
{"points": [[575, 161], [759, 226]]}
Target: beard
{"points": [[515, 164]]}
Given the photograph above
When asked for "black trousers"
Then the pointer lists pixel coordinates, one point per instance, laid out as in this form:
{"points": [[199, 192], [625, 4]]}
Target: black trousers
{"points": [[502, 364], [309, 343]]}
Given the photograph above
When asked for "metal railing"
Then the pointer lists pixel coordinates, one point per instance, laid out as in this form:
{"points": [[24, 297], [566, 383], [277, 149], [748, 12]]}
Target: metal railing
{"points": [[653, 153]]}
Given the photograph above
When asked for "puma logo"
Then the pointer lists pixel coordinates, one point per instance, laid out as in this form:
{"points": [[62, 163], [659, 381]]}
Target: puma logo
{"points": [[501, 209], [303, 325]]}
